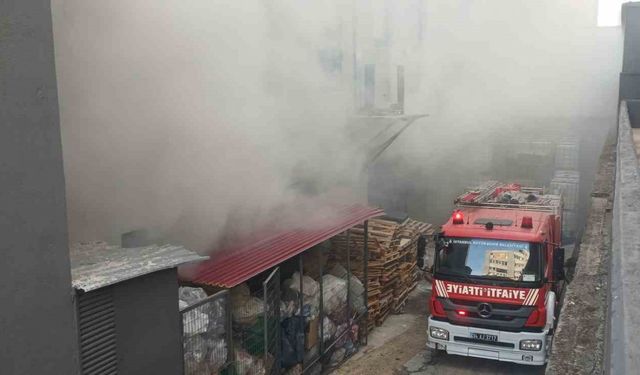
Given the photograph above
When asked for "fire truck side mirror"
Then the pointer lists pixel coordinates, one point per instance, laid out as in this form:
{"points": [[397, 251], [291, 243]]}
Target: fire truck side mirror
{"points": [[437, 240], [558, 264]]}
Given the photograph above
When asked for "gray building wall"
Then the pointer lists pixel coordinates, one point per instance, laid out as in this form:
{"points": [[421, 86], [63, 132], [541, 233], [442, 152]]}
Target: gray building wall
{"points": [[630, 76], [37, 334], [148, 325], [631, 24]]}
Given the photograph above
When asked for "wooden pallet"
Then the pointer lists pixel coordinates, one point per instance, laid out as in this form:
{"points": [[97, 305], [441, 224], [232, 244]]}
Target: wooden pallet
{"points": [[391, 267]]}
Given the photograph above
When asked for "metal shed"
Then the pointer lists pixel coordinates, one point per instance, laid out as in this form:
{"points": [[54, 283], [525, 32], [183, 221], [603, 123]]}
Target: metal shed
{"points": [[261, 262], [127, 315]]}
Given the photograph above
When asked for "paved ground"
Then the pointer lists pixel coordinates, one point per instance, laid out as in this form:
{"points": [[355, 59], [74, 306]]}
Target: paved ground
{"points": [[398, 348]]}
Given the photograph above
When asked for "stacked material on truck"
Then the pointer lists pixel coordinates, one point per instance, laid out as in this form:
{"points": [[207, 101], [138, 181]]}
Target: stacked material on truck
{"points": [[495, 194], [567, 184], [392, 270], [567, 154]]}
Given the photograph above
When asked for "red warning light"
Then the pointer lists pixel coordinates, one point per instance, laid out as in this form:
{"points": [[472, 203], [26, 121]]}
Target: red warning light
{"points": [[527, 222], [462, 313], [458, 218]]}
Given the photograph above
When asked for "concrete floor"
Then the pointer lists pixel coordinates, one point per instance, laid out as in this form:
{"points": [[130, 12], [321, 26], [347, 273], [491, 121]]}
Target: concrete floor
{"points": [[398, 348]]}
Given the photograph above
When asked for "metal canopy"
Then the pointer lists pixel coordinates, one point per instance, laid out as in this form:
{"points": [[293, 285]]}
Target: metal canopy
{"points": [[234, 265]]}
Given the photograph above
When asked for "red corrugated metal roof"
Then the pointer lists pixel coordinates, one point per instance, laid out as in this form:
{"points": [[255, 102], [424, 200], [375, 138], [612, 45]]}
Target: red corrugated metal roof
{"points": [[234, 265]]}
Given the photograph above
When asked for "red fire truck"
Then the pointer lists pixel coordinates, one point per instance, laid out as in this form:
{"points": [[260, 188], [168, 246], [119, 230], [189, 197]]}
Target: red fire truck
{"points": [[497, 275]]}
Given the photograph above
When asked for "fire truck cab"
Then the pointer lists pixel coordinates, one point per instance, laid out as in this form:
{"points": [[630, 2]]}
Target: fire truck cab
{"points": [[497, 275]]}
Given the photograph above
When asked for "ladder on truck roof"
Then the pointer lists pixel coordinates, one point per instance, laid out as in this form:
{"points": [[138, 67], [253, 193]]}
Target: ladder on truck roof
{"points": [[488, 194]]}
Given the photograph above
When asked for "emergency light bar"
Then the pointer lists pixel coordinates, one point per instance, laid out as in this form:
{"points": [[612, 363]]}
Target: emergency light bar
{"points": [[457, 217], [527, 222]]}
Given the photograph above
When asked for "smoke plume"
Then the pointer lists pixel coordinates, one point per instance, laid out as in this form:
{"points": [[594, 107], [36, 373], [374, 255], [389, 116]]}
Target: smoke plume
{"points": [[197, 119], [205, 119]]}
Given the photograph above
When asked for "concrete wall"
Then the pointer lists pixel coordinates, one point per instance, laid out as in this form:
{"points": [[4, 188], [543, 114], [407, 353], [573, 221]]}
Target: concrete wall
{"points": [[148, 325], [633, 109], [624, 348], [36, 322], [631, 24], [630, 76]]}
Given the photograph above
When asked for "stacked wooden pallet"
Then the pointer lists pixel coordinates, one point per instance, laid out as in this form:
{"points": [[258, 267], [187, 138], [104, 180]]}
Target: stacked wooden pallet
{"points": [[380, 267], [407, 242], [392, 270], [385, 231]]}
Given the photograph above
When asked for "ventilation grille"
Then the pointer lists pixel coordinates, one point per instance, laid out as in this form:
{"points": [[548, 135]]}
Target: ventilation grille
{"points": [[97, 333]]}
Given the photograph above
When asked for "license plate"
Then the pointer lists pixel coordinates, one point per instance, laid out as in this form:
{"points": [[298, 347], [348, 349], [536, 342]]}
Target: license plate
{"points": [[484, 337]]}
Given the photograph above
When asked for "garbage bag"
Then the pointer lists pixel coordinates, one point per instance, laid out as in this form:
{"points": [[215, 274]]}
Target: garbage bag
{"points": [[337, 357], [195, 322], [191, 295], [217, 316], [315, 369], [248, 364], [288, 309], [334, 293], [338, 271], [217, 355], [195, 351], [289, 300], [340, 329], [292, 341], [356, 288], [315, 259], [295, 370], [310, 294], [245, 309], [310, 287], [240, 293], [328, 329], [357, 296]]}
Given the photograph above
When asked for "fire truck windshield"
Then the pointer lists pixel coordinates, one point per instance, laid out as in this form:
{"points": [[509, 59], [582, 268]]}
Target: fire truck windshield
{"points": [[471, 258]]}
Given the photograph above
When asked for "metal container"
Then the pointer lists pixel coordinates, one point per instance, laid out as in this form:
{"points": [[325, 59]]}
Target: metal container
{"points": [[567, 184], [567, 154]]}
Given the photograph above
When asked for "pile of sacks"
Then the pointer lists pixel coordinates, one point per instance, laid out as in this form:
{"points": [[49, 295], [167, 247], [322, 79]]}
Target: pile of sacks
{"points": [[337, 321], [204, 330]]}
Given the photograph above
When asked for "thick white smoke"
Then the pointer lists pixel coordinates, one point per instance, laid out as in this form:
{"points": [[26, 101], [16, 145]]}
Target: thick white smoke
{"points": [[206, 118], [196, 119]]}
